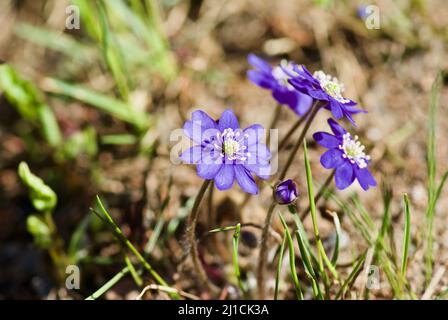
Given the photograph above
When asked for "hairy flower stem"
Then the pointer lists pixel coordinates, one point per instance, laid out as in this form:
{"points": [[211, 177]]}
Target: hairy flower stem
{"points": [[274, 121], [315, 109], [191, 234], [263, 252], [319, 194]]}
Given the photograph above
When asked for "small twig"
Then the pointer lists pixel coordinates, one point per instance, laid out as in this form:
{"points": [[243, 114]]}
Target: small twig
{"points": [[433, 284], [168, 290]]}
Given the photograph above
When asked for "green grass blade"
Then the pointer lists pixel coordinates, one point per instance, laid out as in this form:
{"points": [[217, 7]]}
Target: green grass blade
{"points": [[109, 284], [116, 108], [406, 236], [321, 255], [441, 185], [431, 162], [235, 241], [308, 265], [292, 260], [352, 276], [138, 280], [108, 218], [279, 266], [337, 225]]}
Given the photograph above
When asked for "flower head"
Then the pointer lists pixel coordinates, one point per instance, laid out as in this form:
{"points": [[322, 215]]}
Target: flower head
{"points": [[285, 192], [346, 154], [224, 152], [325, 88], [276, 80]]}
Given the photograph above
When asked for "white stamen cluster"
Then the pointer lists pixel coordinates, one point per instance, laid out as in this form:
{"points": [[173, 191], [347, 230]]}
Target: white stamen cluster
{"points": [[281, 76], [331, 85], [230, 143], [354, 150]]}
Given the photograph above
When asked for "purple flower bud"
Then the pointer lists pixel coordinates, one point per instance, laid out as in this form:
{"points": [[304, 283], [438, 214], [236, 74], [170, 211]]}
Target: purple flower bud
{"points": [[285, 192]]}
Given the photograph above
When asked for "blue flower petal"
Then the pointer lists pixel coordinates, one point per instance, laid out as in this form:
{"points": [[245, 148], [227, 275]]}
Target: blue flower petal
{"points": [[263, 171], [200, 127], [208, 171], [326, 140], [224, 178], [304, 103], [331, 159], [259, 63], [365, 178], [192, 155], [245, 180], [336, 109], [228, 120], [258, 153], [336, 128], [255, 133], [344, 175], [261, 79]]}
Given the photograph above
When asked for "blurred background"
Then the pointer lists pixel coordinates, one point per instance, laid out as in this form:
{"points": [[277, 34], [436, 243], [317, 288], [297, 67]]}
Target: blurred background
{"points": [[90, 106]]}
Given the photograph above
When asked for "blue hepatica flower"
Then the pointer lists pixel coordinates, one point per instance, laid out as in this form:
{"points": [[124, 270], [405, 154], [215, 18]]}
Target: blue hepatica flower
{"points": [[224, 152], [276, 80], [285, 192], [325, 88], [346, 155]]}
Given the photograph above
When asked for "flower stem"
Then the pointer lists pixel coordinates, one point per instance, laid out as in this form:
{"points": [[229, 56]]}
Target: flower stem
{"points": [[274, 121], [191, 234], [315, 109], [263, 251]]}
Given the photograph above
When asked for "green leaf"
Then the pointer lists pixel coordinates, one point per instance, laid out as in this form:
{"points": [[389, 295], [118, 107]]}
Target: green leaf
{"points": [[42, 196]]}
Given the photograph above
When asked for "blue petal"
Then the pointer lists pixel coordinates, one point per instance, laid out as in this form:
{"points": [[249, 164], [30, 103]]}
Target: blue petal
{"points": [[331, 159], [304, 103], [326, 140], [192, 155], [261, 79], [255, 133], [336, 128], [228, 120], [245, 180], [336, 109], [258, 153], [344, 175], [208, 171], [263, 171], [224, 178], [210, 164], [200, 126], [365, 178], [203, 119], [259, 63], [318, 94]]}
